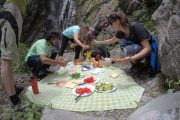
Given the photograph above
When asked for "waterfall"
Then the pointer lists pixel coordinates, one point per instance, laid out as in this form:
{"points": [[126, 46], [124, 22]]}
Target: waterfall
{"points": [[61, 14]]}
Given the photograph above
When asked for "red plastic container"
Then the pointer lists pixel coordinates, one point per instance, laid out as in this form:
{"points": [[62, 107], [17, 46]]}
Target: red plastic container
{"points": [[34, 85], [98, 57]]}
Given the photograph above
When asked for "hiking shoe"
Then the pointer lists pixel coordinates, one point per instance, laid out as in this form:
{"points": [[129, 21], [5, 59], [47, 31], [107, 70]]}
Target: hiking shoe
{"points": [[136, 69], [15, 99], [131, 71], [18, 89]]}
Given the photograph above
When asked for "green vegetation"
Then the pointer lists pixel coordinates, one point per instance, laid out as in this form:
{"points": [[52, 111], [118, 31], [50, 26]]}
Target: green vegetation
{"points": [[172, 85], [25, 111], [2, 2], [23, 49], [143, 17]]}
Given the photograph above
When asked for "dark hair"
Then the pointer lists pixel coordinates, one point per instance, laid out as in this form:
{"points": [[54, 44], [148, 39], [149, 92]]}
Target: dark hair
{"points": [[52, 35], [90, 35], [119, 15]]}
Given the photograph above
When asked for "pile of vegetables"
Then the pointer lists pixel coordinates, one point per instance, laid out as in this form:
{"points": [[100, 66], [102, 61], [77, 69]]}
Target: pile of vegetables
{"points": [[75, 75], [104, 87]]}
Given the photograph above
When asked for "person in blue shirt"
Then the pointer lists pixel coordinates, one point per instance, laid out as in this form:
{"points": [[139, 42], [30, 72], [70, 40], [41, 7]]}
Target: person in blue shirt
{"points": [[75, 34]]}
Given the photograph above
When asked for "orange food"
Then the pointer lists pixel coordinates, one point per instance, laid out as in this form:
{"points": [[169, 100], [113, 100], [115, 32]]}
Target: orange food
{"points": [[95, 64]]}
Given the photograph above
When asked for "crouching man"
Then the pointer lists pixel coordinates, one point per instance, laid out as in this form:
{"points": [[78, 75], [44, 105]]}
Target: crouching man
{"points": [[39, 56]]}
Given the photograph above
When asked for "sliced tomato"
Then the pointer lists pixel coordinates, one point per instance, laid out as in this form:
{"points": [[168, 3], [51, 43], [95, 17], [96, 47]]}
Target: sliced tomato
{"points": [[88, 91], [79, 90], [89, 80], [83, 90]]}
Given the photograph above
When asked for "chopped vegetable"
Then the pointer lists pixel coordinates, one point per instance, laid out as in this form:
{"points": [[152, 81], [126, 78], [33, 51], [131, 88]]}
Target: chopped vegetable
{"points": [[75, 75], [104, 87]]}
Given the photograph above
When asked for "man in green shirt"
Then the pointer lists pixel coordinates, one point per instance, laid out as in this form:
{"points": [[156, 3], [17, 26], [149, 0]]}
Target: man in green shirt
{"points": [[39, 56]]}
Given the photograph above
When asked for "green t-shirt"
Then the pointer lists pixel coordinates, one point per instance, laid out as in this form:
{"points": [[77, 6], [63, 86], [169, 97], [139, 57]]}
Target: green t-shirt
{"points": [[40, 47]]}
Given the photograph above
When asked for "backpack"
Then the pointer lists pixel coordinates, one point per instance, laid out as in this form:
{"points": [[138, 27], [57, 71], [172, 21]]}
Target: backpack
{"points": [[102, 51], [154, 62]]}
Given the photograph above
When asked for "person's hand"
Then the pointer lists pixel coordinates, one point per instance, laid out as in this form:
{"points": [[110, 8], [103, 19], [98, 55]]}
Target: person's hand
{"points": [[85, 46], [95, 42], [60, 58], [115, 59], [72, 45], [63, 63], [126, 59]]}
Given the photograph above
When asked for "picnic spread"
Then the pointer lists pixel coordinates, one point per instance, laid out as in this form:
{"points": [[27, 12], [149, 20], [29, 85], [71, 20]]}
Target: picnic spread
{"points": [[85, 88]]}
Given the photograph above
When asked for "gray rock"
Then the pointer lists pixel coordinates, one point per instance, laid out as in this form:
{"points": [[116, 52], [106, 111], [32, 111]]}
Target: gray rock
{"points": [[167, 25], [55, 114]]}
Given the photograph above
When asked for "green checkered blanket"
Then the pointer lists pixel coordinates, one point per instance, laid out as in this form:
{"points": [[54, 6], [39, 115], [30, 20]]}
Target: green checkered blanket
{"points": [[127, 94]]}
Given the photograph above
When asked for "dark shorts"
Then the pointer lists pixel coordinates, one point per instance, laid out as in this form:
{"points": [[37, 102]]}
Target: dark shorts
{"points": [[129, 48], [64, 43], [35, 64]]}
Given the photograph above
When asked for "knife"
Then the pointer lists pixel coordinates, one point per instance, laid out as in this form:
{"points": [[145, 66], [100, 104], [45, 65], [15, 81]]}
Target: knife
{"points": [[78, 97]]}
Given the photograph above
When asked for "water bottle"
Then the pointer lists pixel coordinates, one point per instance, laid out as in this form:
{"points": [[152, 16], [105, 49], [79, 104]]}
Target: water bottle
{"points": [[34, 85]]}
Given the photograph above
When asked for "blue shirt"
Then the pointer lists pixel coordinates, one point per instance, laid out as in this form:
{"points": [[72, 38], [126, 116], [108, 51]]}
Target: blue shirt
{"points": [[69, 32]]}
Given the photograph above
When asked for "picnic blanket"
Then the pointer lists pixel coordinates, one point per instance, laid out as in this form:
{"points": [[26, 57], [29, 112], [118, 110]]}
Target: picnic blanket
{"points": [[127, 94]]}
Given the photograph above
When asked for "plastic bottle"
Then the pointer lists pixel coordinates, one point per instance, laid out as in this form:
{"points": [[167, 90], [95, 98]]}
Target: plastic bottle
{"points": [[34, 85]]}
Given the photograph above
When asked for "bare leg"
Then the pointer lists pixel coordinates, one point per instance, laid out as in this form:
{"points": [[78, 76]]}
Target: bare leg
{"points": [[1, 84], [7, 76]]}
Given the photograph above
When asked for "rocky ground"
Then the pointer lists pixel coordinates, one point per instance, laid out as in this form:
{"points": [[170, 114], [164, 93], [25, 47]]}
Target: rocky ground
{"points": [[153, 88]]}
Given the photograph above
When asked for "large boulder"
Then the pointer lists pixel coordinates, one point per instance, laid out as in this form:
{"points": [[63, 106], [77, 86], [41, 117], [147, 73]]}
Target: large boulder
{"points": [[167, 25]]}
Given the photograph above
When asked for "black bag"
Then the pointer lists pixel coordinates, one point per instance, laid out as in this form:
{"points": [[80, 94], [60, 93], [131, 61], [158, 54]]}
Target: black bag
{"points": [[103, 52]]}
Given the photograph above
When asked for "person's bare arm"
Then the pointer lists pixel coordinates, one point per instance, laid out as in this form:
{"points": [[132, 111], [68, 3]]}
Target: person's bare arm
{"points": [[105, 42], [76, 39], [49, 61], [144, 52]]}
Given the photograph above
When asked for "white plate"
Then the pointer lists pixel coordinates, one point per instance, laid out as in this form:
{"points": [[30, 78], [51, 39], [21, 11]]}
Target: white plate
{"points": [[91, 87], [96, 80], [97, 71], [114, 88]]}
